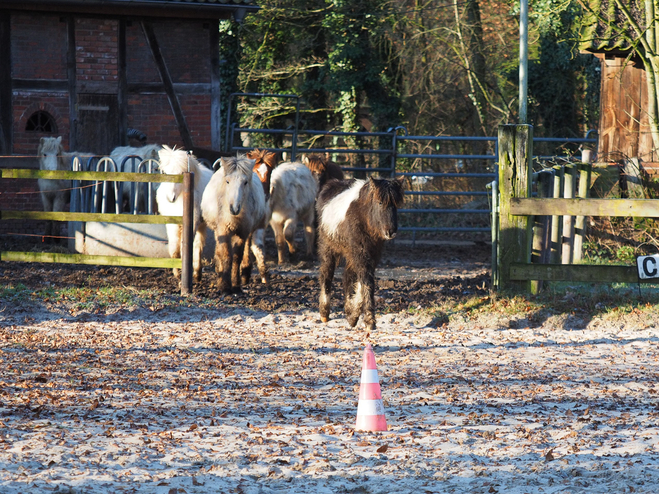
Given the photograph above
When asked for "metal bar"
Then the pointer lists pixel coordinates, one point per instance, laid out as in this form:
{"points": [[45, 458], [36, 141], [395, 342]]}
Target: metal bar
{"points": [[187, 233], [438, 174], [443, 229], [447, 211], [450, 156], [445, 193]]}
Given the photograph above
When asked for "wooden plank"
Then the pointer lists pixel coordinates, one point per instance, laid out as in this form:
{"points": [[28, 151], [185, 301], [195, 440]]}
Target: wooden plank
{"points": [[515, 151], [179, 87], [216, 103], [583, 273], [153, 219], [648, 208], [71, 76], [584, 192], [56, 257], [569, 188], [6, 107], [557, 221], [50, 85], [93, 176], [167, 82], [122, 84]]}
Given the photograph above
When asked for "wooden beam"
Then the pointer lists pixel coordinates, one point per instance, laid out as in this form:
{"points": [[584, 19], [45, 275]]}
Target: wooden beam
{"points": [[56, 257], [151, 219], [216, 119], [159, 87], [122, 86], [648, 208], [95, 176], [6, 107], [166, 78], [71, 76], [582, 273]]}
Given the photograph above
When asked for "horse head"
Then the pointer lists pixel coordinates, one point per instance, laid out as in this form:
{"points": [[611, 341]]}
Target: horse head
{"points": [[49, 153], [237, 177], [265, 162], [383, 198]]}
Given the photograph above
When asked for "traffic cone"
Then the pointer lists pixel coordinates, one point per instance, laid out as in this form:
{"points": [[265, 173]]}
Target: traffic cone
{"points": [[370, 410]]}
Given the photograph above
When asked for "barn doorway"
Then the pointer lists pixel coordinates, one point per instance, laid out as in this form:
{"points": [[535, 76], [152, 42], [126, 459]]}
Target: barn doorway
{"points": [[96, 128]]}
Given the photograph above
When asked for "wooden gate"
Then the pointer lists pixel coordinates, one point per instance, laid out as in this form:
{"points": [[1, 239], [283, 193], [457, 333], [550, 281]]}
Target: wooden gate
{"points": [[517, 208]]}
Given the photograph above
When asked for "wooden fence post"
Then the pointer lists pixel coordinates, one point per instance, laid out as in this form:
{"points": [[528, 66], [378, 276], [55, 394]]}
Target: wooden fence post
{"points": [[515, 152], [557, 221], [568, 221], [584, 192], [541, 227], [187, 233]]}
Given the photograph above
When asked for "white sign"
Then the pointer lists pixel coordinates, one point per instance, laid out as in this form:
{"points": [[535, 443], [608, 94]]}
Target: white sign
{"points": [[648, 267]]}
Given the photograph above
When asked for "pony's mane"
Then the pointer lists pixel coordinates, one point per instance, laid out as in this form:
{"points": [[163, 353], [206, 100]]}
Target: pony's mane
{"points": [[175, 161], [263, 156], [240, 163], [316, 163], [385, 192]]}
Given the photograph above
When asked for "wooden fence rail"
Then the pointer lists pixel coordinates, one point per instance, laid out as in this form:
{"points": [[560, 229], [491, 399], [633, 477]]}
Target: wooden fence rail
{"points": [[185, 263], [516, 209]]}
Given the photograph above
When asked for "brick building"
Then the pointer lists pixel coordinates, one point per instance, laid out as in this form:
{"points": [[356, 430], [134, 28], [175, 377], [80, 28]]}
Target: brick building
{"points": [[90, 70]]}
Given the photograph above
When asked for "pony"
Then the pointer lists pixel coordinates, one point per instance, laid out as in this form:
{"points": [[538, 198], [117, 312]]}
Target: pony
{"points": [[169, 198], [290, 196], [128, 159], [55, 194], [233, 205], [356, 217], [293, 190], [323, 169]]}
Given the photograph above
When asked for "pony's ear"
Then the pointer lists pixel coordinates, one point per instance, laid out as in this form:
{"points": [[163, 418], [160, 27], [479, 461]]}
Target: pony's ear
{"points": [[253, 154], [251, 164], [59, 140]]}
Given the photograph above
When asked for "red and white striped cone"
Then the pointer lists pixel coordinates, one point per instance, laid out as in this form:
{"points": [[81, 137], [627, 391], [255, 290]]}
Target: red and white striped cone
{"points": [[370, 410]]}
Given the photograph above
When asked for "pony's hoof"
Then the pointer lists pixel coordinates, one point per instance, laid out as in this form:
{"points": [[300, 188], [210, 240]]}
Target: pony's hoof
{"points": [[324, 318], [352, 321]]}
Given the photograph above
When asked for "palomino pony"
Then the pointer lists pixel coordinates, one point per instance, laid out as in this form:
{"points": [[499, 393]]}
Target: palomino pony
{"points": [[355, 219], [290, 195], [233, 205], [170, 202], [55, 194]]}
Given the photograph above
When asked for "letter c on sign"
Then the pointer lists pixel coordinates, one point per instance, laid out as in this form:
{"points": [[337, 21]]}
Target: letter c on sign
{"points": [[650, 272]]}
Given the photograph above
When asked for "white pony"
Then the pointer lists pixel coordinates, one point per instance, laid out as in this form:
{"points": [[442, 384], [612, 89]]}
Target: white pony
{"points": [[122, 159], [233, 205], [55, 194], [293, 190], [170, 202]]}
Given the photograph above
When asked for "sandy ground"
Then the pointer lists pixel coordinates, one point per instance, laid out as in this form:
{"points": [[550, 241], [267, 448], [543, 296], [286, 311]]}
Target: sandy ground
{"points": [[244, 401]]}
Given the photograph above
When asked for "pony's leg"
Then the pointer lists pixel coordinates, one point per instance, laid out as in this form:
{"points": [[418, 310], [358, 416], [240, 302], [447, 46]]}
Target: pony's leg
{"points": [[309, 232], [59, 204], [47, 206], [246, 264], [258, 250], [174, 244], [289, 234], [353, 293], [328, 263], [368, 299], [197, 249], [238, 248], [223, 258], [278, 229]]}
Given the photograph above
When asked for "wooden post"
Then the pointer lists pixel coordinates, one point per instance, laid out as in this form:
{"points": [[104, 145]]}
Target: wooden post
{"points": [[569, 187], [515, 152], [584, 192], [540, 248], [556, 220], [187, 233]]}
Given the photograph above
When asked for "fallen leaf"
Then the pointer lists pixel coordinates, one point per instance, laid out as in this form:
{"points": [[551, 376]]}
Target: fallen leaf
{"points": [[550, 455], [383, 449]]}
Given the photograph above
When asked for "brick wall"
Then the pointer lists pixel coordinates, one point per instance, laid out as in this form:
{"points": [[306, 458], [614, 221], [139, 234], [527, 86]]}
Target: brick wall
{"points": [[25, 104], [96, 50], [38, 47]]}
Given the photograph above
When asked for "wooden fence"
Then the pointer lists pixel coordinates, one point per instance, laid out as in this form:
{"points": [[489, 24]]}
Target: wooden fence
{"points": [[185, 263], [518, 210]]}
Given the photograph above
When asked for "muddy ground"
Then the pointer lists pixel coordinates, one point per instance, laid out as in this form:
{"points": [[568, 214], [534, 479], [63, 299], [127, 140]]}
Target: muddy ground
{"points": [[411, 274]]}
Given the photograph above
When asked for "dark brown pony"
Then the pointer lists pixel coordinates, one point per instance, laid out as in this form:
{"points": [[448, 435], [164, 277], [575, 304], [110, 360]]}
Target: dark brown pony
{"points": [[355, 217], [323, 169]]}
